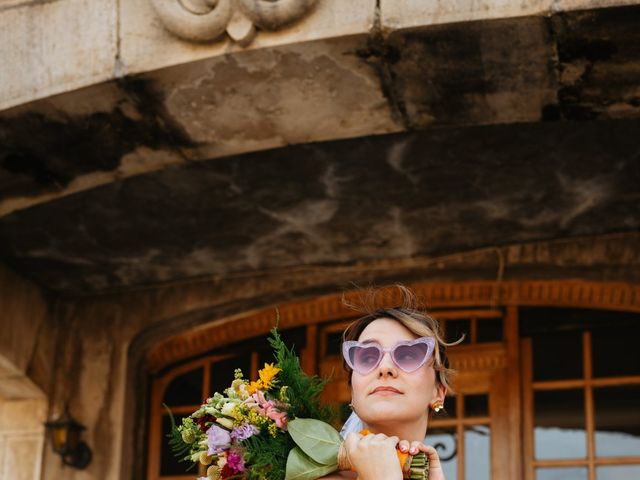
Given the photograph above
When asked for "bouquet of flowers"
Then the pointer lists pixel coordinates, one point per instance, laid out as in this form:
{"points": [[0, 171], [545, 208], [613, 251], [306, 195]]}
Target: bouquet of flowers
{"points": [[273, 428]]}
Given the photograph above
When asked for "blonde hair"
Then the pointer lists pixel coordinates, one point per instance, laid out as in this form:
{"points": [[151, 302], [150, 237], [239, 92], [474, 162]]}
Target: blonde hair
{"points": [[410, 314]]}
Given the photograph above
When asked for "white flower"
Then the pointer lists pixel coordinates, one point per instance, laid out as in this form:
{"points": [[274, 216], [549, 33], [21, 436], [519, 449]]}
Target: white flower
{"points": [[228, 408], [242, 390], [225, 422]]}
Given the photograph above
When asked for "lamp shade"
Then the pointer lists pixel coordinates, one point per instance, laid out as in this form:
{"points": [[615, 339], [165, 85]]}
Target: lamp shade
{"points": [[65, 440]]}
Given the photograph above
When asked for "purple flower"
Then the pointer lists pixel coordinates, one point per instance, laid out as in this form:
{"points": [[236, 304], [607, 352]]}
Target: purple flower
{"points": [[235, 462], [218, 439], [243, 432]]}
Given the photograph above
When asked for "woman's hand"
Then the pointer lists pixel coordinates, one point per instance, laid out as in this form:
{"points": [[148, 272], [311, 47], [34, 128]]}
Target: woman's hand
{"points": [[435, 468], [373, 456]]}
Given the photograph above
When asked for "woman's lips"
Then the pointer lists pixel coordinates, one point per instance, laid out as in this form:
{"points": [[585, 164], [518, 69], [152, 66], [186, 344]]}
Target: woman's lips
{"points": [[386, 390]]}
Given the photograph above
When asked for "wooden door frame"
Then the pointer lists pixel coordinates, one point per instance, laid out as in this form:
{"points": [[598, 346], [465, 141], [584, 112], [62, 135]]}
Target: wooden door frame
{"points": [[441, 295]]}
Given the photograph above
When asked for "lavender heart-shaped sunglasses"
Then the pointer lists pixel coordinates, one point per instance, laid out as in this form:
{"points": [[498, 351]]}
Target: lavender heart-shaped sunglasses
{"points": [[409, 356]]}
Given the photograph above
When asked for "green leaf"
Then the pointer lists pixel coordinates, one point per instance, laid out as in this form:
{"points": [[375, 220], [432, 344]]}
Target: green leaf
{"points": [[317, 439], [301, 467]]}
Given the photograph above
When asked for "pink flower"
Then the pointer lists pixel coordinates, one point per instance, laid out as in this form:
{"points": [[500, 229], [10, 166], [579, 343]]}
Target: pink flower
{"points": [[270, 409], [235, 462], [280, 418]]}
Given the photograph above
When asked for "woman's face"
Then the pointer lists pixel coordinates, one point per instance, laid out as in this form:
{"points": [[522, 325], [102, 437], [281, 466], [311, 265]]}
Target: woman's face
{"points": [[387, 394]]}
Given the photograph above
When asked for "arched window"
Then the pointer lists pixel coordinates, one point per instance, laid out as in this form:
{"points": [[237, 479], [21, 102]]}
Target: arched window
{"points": [[547, 388]]}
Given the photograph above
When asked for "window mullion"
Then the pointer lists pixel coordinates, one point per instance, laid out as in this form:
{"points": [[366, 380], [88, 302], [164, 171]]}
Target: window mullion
{"points": [[588, 391]]}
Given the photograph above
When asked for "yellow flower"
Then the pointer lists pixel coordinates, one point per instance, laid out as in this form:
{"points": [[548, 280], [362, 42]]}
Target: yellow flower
{"points": [[283, 393], [213, 472], [267, 373], [254, 386]]}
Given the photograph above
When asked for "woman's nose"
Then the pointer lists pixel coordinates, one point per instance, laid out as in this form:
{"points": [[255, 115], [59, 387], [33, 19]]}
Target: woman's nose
{"points": [[387, 367]]}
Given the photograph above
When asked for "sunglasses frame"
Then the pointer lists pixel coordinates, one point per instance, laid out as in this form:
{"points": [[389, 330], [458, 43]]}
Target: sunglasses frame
{"points": [[430, 342]]}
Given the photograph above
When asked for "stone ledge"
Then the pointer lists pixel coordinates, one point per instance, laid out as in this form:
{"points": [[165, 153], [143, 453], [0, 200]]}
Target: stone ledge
{"points": [[41, 58], [409, 14]]}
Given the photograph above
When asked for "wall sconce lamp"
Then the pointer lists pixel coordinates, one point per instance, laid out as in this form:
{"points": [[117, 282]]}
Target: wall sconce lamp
{"points": [[65, 440]]}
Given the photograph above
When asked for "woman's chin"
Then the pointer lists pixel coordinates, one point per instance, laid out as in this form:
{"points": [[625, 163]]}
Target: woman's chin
{"points": [[381, 413]]}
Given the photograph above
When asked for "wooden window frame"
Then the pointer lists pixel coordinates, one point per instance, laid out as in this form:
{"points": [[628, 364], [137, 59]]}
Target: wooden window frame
{"points": [[587, 384], [157, 411], [442, 295]]}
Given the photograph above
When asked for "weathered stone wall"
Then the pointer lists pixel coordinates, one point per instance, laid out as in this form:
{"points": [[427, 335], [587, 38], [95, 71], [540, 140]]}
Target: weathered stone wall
{"points": [[21, 438], [101, 370], [26, 367], [26, 342], [113, 38]]}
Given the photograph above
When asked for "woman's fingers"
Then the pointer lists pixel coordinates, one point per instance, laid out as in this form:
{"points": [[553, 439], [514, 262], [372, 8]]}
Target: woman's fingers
{"points": [[415, 447], [373, 456], [432, 454], [404, 446]]}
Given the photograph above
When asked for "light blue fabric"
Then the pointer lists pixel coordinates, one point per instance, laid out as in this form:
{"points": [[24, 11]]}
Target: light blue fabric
{"points": [[353, 424]]}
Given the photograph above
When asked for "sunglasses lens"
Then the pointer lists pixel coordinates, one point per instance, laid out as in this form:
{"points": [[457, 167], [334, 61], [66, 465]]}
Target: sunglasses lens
{"points": [[410, 357], [364, 359]]}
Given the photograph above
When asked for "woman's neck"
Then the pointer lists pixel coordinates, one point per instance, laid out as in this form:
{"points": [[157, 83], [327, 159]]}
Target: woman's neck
{"points": [[411, 431]]}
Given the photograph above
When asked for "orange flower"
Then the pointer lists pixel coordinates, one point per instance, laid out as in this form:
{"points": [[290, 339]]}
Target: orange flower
{"points": [[402, 457], [267, 373], [254, 386]]}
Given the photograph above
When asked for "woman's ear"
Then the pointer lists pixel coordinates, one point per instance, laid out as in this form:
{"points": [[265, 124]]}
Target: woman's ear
{"points": [[442, 392], [439, 392]]}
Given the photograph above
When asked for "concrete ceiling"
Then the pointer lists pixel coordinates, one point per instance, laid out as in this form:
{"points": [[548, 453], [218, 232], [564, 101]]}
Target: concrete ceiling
{"points": [[505, 131], [394, 196]]}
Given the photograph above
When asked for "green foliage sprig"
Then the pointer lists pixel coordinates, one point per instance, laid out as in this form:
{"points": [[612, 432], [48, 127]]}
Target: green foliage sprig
{"points": [[303, 391]]}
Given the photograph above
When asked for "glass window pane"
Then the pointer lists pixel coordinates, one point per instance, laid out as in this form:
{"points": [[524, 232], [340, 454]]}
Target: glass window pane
{"points": [[559, 424], [571, 473], [557, 356], [222, 372], [490, 330], [456, 328], [169, 464], [185, 389], [618, 472], [615, 351], [334, 342], [617, 421], [450, 403], [476, 405], [445, 442], [345, 411], [477, 460]]}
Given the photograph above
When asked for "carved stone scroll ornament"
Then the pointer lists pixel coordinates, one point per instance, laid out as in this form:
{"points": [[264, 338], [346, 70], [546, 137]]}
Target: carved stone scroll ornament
{"points": [[207, 20]]}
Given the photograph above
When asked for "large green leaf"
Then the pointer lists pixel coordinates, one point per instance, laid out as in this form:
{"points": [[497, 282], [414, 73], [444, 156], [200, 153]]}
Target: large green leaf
{"points": [[301, 467], [317, 439]]}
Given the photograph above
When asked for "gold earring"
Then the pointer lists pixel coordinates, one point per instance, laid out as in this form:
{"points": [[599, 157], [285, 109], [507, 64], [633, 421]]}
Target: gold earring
{"points": [[437, 406]]}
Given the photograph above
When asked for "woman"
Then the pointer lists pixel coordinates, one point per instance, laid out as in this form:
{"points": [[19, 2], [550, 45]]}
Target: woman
{"points": [[398, 374]]}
